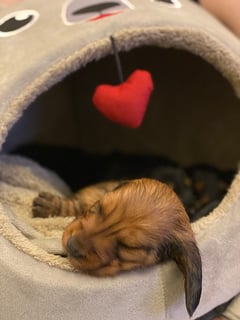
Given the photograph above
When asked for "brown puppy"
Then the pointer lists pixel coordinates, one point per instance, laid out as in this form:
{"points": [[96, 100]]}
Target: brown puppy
{"points": [[126, 225]]}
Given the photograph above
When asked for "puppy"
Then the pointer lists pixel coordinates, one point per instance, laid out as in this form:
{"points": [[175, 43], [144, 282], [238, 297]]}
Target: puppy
{"points": [[123, 225]]}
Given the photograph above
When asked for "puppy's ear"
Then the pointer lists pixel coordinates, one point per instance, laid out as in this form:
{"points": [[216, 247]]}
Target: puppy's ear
{"points": [[186, 255]]}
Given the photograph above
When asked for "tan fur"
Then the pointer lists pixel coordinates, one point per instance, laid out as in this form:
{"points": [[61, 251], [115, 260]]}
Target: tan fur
{"points": [[126, 225]]}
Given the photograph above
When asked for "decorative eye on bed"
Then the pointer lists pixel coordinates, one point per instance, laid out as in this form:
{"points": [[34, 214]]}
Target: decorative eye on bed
{"points": [[17, 21], [76, 11], [175, 3]]}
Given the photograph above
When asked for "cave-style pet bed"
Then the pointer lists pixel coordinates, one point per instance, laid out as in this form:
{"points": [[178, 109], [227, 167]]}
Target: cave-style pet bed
{"points": [[52, 58]]}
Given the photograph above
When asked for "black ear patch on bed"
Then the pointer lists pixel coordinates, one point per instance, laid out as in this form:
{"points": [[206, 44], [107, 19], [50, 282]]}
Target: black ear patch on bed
{"points": [[96, 8], [16, 22], [92, 10], [167, 1], [176, 3]]}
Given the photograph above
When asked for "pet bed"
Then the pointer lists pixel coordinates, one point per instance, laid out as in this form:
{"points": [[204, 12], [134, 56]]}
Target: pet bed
{"points": [[52, 58]]}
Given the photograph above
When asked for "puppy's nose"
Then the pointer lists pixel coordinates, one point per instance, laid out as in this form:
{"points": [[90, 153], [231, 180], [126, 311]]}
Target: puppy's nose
{"points": [[72, 248]]}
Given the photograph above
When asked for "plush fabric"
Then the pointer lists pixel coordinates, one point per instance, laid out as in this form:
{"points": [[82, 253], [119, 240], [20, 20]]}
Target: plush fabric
{"points": [[189, 28], [31, 255], [21, 181], [233, 310], [50, 42]]}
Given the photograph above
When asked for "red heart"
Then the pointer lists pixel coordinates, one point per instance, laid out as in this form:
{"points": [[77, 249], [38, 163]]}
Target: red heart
{"points": [[125, 103]]}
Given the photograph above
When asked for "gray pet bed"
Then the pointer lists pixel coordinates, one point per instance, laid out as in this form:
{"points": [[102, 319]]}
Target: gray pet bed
{"points": [[51, 62]]}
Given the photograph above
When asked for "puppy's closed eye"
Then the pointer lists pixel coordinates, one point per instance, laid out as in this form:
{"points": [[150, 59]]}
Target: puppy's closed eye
{"points": [[134, 254]]}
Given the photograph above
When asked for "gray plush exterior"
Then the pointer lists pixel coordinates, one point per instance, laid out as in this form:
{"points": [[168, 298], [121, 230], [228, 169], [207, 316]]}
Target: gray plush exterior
{"points": [[34, 283]]}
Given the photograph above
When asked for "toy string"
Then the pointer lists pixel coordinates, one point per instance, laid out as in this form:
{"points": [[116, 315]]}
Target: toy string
{"points": [[117, 59]]}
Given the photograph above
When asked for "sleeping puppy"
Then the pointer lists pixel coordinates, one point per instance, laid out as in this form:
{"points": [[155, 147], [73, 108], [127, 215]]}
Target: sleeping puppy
{"points": [[123, 225]]}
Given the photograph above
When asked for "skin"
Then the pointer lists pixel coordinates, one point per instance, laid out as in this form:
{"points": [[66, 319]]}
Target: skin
{"points": [[8, 2], [227, 11]]}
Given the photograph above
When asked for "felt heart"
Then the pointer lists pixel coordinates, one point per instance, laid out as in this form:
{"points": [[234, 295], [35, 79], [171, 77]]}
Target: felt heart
{"points": [[127, 102]]}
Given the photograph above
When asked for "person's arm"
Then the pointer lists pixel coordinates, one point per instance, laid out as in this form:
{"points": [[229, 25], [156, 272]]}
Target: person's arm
{"points": [[228, 11]]}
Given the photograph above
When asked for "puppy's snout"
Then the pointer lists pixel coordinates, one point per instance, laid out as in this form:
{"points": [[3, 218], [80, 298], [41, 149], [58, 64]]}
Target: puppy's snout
{"points": [[72, 248]]}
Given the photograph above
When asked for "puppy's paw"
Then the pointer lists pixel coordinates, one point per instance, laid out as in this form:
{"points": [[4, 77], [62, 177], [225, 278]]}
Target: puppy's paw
{"points": [[45, 205]]}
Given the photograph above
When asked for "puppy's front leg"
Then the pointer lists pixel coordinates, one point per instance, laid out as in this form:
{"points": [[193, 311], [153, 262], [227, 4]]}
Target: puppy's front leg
{"points": [[48, 205]]}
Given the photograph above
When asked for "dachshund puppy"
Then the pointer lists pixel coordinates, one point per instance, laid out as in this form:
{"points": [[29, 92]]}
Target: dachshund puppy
{"points": [[123, 225]]}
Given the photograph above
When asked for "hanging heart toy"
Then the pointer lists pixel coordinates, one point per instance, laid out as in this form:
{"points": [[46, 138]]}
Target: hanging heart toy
{"points": [[125, 103]]}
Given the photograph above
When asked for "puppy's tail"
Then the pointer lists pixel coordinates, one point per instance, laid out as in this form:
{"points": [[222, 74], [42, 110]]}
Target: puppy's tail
{"points": [[187, 256]]}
